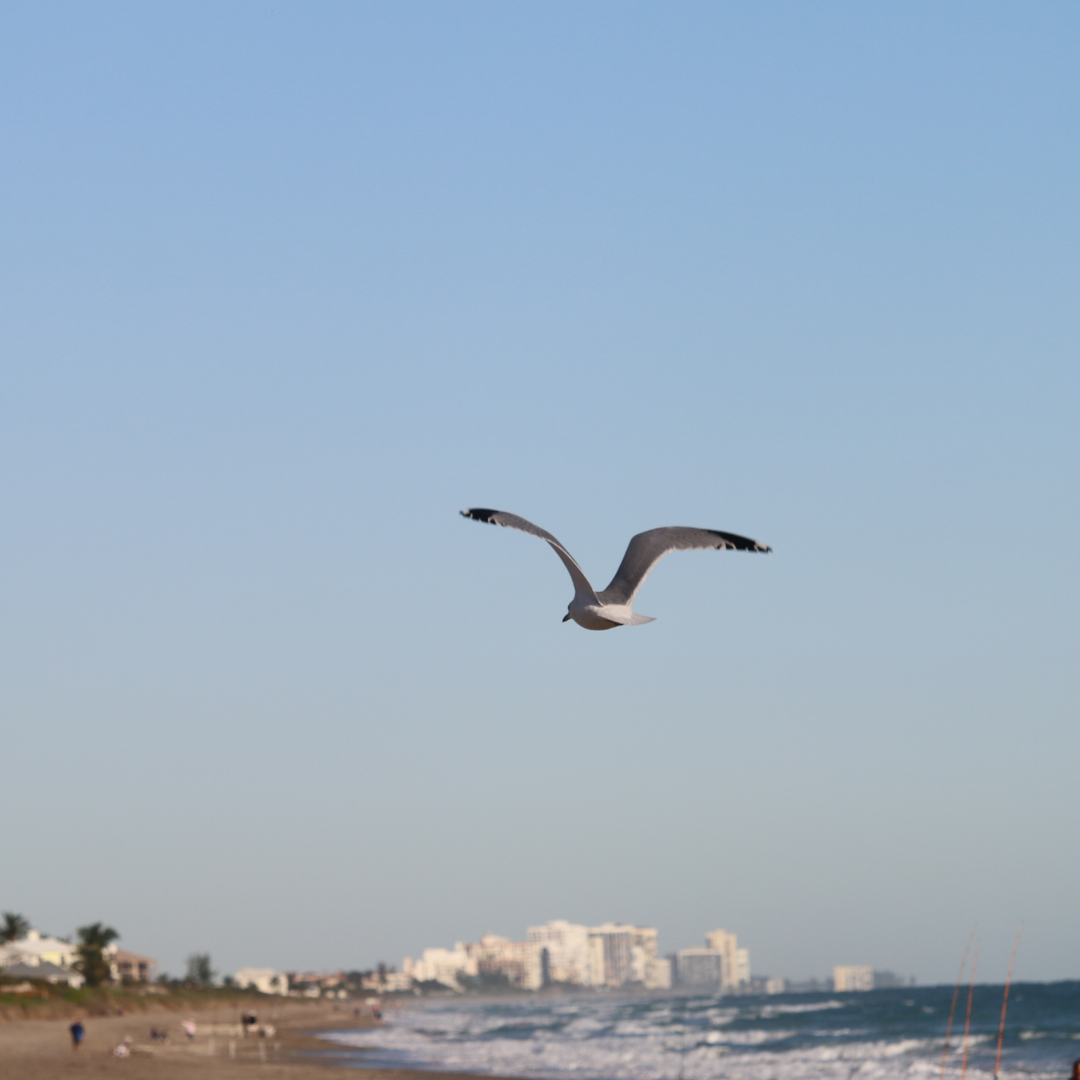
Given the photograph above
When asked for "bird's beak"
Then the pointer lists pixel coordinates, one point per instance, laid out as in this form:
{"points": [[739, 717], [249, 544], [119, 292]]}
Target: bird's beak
{"points": [[566, 617]]}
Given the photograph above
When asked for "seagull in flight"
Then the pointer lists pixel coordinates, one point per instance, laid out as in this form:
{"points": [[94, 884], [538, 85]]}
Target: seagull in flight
{"points": [[604, 610]]}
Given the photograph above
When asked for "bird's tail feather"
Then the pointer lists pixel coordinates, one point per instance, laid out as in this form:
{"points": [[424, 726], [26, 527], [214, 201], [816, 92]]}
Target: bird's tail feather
{"points": [[631, 618]]}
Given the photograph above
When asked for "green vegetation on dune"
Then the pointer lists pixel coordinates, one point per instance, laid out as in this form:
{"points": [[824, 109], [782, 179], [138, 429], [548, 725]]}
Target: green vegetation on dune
{"points": [[46, 1001]]}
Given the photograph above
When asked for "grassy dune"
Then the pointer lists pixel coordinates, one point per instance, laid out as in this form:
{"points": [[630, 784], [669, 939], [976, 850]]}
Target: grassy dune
{"points": [[46, 1001]]}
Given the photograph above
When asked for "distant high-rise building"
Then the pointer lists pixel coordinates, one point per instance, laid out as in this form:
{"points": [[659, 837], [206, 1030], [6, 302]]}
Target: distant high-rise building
{"points": [[735, 961], [699, 967], [887, 979], [642, 952], [853, 978], [567, 948], [441, 965], [619, 954], [520, 962], [742, 967], [658, 974]]}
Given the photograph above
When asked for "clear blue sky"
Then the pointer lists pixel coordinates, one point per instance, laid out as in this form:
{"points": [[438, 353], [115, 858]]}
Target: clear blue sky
{"points": [[285, 286]]}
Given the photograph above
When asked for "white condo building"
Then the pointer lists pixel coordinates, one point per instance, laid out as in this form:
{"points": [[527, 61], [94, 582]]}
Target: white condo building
{"points": [[700, 967], [853, 978], [611, 955], [521, 962], [567, 946], [734, 962], [742, 967], [658, 974], [441, 965], [620, 955]]}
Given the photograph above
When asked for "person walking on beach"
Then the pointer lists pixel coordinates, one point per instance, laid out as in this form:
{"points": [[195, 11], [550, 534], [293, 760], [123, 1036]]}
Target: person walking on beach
{"points": [[1076, 1070], [77, 1033]]}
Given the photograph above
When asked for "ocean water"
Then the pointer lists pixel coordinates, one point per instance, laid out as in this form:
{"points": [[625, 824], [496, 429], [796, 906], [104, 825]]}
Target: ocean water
{"points": [[879, 1035]]}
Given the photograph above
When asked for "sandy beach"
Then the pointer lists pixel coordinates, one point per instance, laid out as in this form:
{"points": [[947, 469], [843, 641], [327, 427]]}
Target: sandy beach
{"points": [[41, 1049]]}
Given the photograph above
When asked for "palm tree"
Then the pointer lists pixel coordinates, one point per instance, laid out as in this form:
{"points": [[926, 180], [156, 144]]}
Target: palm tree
{"points": [[13, 927], [199, 969], [93, 941]]}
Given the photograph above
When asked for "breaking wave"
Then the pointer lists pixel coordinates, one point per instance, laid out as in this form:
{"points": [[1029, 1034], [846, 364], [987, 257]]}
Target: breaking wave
{"points": [[879, 1035]]}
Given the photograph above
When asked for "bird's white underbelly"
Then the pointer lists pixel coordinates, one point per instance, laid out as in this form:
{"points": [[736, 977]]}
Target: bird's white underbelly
{"points": [[591, 617]]}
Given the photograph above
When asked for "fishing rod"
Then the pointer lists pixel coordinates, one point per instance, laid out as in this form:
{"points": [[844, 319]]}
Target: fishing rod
{"points": [[967, 1022], [955, 994], [1005, 1001]]}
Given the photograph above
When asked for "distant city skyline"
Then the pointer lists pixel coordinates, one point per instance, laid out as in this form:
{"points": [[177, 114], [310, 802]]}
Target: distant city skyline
{"points": [[608, 956], [611, 955]]}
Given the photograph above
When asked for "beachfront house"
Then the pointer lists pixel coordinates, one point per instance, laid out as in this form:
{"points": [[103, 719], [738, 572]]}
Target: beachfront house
{"points": [[389, 982], [51, 973], [265, 980], [35, 949], [129, 967]]}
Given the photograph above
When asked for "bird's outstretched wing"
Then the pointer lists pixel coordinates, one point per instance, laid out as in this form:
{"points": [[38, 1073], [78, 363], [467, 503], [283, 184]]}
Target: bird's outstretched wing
{"points": [[582, 587], [648, 548]]}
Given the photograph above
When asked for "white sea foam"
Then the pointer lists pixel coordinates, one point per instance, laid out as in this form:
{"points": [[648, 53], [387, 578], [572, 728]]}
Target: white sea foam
{"points": [[814, 1006], [604, 1039]]}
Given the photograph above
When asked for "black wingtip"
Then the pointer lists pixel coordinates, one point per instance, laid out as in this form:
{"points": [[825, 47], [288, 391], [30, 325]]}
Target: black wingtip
{"points": [[479, 514], [738, 543]]}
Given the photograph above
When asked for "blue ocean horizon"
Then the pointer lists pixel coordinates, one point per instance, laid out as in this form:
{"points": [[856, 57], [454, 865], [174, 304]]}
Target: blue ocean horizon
{"points": [[893, 1034]]}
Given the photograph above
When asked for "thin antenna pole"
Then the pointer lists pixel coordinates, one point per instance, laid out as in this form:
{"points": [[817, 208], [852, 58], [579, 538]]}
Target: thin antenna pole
{"points": [[955, 994], [1005, 1002], [967, 1022]]}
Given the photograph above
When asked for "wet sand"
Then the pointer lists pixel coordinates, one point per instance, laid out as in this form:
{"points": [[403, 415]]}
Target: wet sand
{"points": [[41, 1049]]}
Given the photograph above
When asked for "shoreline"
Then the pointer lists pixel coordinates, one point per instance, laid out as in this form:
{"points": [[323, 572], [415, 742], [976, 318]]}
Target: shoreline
{"points": [[40, 1049]]}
